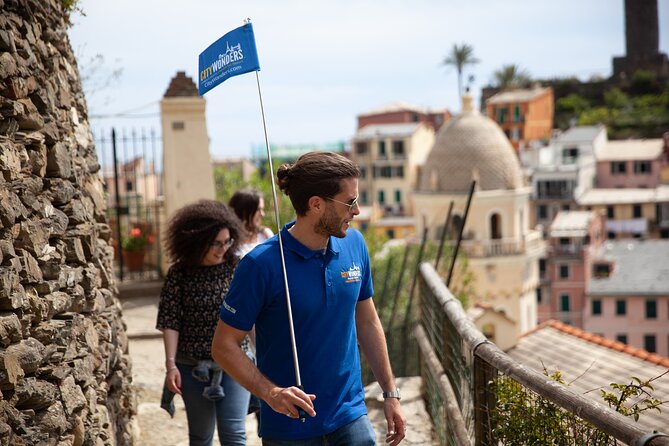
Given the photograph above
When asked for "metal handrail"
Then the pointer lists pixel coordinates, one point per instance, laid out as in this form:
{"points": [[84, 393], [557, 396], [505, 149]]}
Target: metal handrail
{"points": [[603, 418]]}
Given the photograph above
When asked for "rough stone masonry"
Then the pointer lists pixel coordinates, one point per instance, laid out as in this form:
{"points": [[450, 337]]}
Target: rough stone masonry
{"points": [[65, 376]]}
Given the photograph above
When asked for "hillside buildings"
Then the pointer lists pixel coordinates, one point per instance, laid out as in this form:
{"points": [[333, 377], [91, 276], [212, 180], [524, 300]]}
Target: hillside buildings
{"points": [[390, 146], [561, 171]]}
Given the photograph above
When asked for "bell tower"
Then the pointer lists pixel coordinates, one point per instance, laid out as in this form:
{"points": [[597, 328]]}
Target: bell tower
{"points": [[642, 38]]}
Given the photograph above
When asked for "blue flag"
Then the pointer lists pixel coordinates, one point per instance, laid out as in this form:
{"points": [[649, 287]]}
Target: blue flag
{"points": [[233, 54]]}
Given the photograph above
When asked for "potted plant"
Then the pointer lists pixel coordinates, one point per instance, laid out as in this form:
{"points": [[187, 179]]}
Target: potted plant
{"points": [[135, 245]]}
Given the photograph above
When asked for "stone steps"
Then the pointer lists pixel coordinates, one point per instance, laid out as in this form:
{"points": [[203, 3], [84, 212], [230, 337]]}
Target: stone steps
{"points": [[132, 289]]}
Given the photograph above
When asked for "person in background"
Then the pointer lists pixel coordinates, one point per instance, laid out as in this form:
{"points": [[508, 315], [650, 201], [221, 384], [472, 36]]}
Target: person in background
{"points": [[249, 206], [202, 243], [329, 275]]}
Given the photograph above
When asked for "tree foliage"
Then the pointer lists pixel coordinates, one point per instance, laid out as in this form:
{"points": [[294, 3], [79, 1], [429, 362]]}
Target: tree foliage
{"points": [[634, 398], [228, 181], [70, 6], [459, 57], [521, 416], [627, 110], [511, 76]]}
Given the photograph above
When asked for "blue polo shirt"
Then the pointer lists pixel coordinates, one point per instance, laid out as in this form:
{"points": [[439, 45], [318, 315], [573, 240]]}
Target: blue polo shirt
{"points": [[324, 291]]}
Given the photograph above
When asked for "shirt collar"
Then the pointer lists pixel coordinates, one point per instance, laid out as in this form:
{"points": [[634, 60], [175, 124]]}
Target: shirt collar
{"points": [[290, 242]]}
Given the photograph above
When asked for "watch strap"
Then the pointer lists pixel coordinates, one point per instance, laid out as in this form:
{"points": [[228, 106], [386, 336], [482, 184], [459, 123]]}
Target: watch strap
{"points": [[394, 394]]}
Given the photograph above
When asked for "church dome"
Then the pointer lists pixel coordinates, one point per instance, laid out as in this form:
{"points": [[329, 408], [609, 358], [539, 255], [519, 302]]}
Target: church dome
{"points": [[471, 146]]}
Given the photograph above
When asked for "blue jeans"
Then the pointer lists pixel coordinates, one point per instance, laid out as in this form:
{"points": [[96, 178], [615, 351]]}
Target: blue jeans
{"points": [[204, 415], [356, 433]]}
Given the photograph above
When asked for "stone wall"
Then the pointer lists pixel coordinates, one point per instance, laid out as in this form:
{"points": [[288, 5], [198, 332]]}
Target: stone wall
{"points": [[65, 376]]}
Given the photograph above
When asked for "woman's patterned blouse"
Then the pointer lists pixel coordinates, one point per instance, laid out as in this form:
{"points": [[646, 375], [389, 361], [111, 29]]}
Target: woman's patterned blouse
{"points": [[190, 303]]}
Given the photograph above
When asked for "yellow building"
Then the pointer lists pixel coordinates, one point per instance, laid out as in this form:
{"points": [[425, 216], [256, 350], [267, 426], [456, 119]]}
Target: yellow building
{"points": [[389, 156], [503, 252]]}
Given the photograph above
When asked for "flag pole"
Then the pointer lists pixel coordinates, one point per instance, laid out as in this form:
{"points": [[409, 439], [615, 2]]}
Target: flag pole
{"points": [[296, 363]]}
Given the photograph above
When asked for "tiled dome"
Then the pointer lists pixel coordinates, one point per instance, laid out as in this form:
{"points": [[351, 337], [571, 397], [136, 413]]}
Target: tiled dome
{"points": [[470, 146]]}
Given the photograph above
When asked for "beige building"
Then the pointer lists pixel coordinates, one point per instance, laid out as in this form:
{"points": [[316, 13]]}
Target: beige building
{"points": [[188, 174], [389, 156], [631, 213], [245, 167], [503, 252]]}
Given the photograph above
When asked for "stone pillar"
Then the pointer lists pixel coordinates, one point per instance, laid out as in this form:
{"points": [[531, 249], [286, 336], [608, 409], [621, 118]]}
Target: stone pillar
{"points": [[188, 173], [65, 375]]}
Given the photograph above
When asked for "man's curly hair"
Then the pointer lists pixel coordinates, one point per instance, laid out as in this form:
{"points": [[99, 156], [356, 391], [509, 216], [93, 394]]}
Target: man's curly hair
{"points": [[314, 174], [193, 227]]}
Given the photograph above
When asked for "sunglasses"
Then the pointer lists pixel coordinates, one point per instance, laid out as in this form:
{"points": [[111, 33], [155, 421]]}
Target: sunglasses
{"points": [[350, 205], [218, 245]]}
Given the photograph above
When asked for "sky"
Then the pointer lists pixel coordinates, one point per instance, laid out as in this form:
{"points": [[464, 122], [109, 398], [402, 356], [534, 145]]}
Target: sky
{"points": [[324, 63]]}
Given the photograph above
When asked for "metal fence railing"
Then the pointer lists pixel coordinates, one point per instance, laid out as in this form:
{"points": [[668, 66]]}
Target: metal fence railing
{"points": [[130, 166], [476, 394]]}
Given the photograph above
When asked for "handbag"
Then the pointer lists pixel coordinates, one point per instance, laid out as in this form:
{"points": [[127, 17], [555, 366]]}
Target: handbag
{"points": [[254, 404]]}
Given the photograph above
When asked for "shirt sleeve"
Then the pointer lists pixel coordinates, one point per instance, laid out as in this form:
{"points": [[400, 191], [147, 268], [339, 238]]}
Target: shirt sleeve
{"points": [[266, 234], [246, 295], [169, 307], [366, 287]]}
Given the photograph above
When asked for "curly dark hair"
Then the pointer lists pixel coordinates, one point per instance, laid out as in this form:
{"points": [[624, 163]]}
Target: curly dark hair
{"points": [[193, 227], [314, 174], [245, 203]]}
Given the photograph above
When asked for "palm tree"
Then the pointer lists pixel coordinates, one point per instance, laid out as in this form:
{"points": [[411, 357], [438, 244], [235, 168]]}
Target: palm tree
{"points": [[459, 57], [511, 76]]}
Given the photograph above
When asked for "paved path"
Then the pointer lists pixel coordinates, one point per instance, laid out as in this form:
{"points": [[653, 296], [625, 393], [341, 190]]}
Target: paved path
{"points": [[156, 427]]}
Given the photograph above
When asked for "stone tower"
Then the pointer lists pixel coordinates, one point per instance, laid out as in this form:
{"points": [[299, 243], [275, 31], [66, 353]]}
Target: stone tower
{"points": [[642, 38]]}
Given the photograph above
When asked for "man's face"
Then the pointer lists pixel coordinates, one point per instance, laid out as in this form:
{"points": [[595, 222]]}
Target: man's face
{"points": [[338, 213]]}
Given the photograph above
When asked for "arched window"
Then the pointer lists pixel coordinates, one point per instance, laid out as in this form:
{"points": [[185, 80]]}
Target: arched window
{"points": [[495, 226]]}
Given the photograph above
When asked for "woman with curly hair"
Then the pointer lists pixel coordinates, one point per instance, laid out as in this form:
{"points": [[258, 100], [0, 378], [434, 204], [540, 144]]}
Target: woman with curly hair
{"points": [[249, 206], [202, 243]]}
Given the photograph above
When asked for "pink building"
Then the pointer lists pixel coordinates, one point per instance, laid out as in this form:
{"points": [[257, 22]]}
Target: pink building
{"points": [[399, 113], [139, 186], [634, 163], [628, 294], [563, 271]]}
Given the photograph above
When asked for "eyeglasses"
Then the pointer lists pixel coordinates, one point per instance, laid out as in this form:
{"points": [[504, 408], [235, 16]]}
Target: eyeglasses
{"points": [[218, 245], [350, 205]]}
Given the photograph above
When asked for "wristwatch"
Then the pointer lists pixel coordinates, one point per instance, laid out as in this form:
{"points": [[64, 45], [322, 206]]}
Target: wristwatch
{"points": [[394, 394]]}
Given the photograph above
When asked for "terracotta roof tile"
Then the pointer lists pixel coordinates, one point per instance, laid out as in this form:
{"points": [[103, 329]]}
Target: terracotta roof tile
{"points": [[604, 342]]}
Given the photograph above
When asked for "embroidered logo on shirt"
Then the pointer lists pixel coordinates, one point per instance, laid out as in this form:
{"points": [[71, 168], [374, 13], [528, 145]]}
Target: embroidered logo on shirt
{"points": [[352, 275], [229, 308]]}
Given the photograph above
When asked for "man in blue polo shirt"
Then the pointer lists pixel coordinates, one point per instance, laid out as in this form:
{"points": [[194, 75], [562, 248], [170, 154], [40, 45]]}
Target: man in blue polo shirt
{"points": [[329, 277]]}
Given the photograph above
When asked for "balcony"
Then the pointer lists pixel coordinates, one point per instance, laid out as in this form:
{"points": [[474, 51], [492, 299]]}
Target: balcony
{"points": [[572, 249], [631, 226], [562, 194], [503, 247]]}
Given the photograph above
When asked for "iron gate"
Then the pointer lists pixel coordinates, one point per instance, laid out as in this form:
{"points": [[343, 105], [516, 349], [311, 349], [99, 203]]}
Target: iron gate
{"points": [[132, 174]]}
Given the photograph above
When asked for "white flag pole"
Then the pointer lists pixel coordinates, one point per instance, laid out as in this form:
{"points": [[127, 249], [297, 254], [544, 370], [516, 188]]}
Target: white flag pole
{"points": [[293, 345]]}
